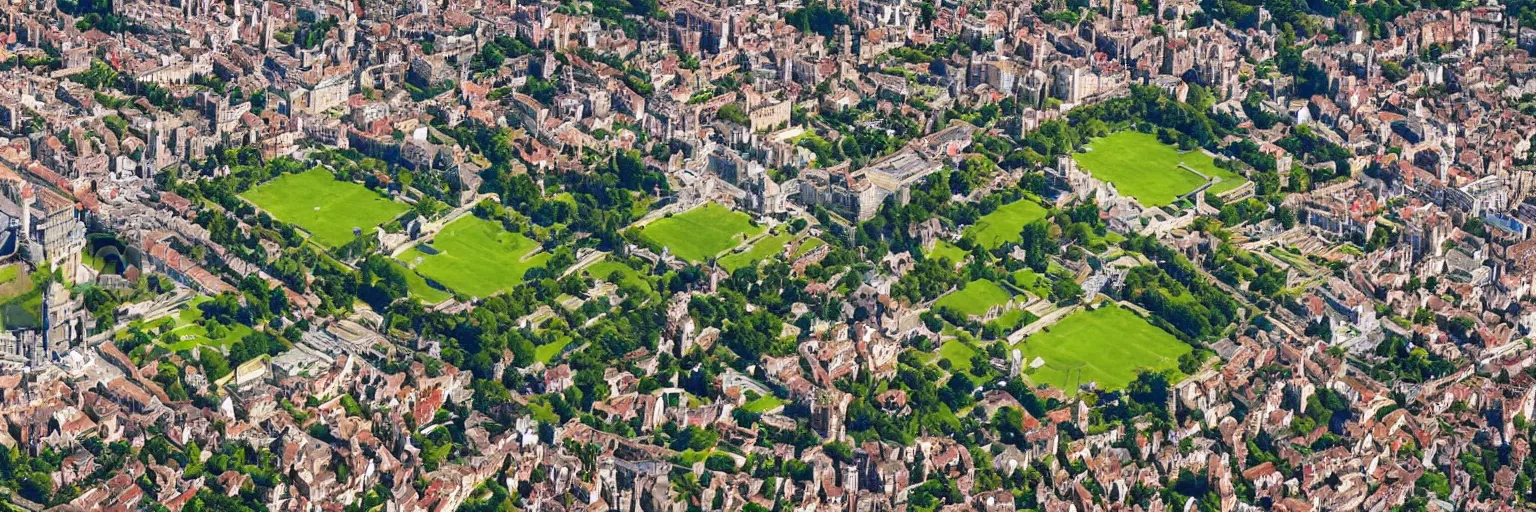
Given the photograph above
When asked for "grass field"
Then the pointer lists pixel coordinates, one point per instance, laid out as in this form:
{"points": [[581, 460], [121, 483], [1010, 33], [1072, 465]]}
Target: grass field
{"points": [[701, 233], [763, 404], [187, 326], [808, 245], [1011, 320], [765, 247], [605, 268], [958, 353], [1109, 345], [547, 352], [22, 312], [1144, 168], [476, 257], [21, 303], [419, 287], [1004, 224], [543, 412], [975, 299], [942, 250], [1032, 282], [328, 209]]}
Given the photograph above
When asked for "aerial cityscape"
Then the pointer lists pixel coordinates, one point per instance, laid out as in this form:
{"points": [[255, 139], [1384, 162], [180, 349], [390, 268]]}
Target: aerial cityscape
{"points": [[797, 256]]}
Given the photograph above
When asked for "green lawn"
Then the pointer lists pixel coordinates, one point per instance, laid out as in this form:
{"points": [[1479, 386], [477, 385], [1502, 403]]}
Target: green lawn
{"points": [[476, 257], [543, 413], [975, 298], [24, 311], [328, 209], [605, 268], [958, 353], [419, 287], [91, 260], [547, 352], [1032, 282], [765, 247], [701, 233], [943, 250], [1109, 345], [187, 326], [808, 245], [1004, 224], [1142, 167], [762, 404], [1011, 320]]}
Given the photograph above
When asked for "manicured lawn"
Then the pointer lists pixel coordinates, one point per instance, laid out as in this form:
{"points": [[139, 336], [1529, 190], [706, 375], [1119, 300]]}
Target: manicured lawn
{"points": [[958, 353], [975, 299], [943, 250], [1144, 168], [605, 268], [1011, 320], [808, 245], [701, 233], [762, 404], [419, 287], [1108, 345], [194, 336], [1032, 282], [476, 257], [187, 326], [1229, 179], [765, 247], [1004, 224], [547, 352], [328, 209]]}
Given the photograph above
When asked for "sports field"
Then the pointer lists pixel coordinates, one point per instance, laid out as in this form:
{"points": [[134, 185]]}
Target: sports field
{"points": [[1144, 168], [1108, 346], [328, 209], [1004, 224], [476, 257], [975, 299], [701, 233]]}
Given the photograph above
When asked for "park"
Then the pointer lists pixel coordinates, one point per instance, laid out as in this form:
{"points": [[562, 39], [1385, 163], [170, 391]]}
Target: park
{"points": [[701, 233], [975, 299], [476, 257], [1154, 173], [326, 208], [191, 331], [1004, 224], [1108, 346]]}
